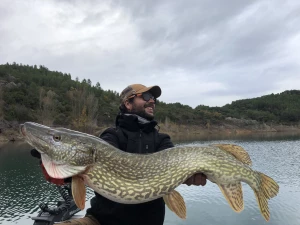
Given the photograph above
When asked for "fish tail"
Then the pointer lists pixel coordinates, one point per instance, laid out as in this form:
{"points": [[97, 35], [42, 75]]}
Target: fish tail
{"points": [[269, 186], [268, 189]]}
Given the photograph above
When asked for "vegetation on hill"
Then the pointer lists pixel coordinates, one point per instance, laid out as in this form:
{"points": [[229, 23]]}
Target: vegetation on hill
{"points": [[34, 93], [283, 108]]}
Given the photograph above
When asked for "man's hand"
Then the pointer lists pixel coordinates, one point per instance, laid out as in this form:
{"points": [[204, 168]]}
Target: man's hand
{"points": [[35, 153], [196, 179]]}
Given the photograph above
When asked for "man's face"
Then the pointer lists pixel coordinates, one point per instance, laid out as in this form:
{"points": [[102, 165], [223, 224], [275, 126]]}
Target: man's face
{"points": [[142, 108]]}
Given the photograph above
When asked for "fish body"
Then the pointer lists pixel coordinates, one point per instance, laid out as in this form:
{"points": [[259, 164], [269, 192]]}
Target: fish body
{"points": [[142, 178], [136, 178]]}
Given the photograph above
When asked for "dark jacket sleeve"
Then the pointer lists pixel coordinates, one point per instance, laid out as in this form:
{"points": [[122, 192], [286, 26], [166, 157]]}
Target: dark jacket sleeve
{"points": [[110, 136], [165, 142]]}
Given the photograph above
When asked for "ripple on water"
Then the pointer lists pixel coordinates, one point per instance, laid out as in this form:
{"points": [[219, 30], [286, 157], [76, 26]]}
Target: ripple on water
{"points": [[279, 160], [23, 188]]}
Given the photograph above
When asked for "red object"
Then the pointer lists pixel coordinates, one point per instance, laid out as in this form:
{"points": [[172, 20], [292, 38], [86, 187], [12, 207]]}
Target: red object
{"points": [[51, 179]]}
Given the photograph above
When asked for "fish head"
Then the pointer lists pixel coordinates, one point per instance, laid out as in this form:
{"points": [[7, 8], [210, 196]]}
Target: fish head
{"points": [[64, 152]]}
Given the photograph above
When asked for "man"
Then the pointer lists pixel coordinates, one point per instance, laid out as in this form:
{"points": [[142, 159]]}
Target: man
{"points": [[135, 132]]}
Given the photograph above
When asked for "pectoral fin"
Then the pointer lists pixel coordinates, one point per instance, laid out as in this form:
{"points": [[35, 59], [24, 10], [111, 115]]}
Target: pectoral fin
{"points": [[234, 195], [78, 191], [175, 203]]}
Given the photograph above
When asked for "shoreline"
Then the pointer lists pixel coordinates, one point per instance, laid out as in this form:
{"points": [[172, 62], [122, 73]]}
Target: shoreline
{"points": [[178, 132]]}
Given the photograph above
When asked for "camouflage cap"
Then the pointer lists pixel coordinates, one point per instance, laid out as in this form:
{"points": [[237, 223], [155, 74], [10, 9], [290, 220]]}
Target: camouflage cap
{"points": [[137, 89]]}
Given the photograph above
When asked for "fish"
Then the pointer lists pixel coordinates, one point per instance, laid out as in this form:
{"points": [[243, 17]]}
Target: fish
{"points": [[136, 178]]}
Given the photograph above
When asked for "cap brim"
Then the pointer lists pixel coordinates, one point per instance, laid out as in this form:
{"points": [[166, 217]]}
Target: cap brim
{"points": [[154, 90]]}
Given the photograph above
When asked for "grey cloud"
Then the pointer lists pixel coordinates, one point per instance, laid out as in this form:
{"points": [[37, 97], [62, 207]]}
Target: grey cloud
{"points": [[254, 41], [93, 19], [238, 47]]}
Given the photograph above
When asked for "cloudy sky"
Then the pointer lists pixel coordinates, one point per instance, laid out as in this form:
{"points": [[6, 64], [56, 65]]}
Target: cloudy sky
{"points": [[208, 52]]}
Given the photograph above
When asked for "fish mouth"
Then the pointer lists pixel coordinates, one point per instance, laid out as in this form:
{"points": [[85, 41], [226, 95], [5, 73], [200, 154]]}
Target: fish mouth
{"points": [[22, 130], [28, 136]]}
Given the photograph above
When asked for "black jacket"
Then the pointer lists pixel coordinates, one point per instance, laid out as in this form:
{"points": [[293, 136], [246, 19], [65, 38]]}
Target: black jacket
{"points": [[131, 136]]}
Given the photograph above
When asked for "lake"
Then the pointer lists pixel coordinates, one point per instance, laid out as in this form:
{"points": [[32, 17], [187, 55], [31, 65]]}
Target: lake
{"points": [[23, 188]]}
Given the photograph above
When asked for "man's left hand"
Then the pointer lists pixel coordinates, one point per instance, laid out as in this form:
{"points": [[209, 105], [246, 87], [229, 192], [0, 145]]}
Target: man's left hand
{"points": [[196, 179]]}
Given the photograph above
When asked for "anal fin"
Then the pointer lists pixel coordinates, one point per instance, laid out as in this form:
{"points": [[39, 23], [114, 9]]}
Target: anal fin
{"points": [[263, 204], [78, 191], [234, 195], [175, 203]]}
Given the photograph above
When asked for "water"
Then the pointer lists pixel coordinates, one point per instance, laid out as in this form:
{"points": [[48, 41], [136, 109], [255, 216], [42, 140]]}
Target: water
{"points": [[23, 188]]}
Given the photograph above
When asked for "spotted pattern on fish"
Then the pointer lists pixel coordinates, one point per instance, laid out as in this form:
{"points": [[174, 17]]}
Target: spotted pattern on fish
{"points": [[135, 178], [140, 178]]}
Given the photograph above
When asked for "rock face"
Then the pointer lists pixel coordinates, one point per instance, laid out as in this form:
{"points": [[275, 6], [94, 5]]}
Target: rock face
{"points": [[9, 82], [9, 131], [10, 85], [249, 124], [8, 125], [2, 83], [242, 122]]}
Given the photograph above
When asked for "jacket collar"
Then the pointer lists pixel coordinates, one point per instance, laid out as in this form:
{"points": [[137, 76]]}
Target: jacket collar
{"points": [[134, 122]]}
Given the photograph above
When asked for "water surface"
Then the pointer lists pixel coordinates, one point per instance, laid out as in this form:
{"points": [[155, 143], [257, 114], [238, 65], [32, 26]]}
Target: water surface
{"points": [[23, 188]]}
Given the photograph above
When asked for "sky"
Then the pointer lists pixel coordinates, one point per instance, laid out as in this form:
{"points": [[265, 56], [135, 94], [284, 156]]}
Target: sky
{"points": [[200, 52]]}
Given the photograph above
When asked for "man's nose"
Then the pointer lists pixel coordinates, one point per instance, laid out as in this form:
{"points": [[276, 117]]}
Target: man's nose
{"points": [[151, 100]]}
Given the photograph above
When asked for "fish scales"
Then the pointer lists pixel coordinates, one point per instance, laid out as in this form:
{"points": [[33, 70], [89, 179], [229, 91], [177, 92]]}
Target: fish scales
{"points": [[136, 178], [161, 172]]}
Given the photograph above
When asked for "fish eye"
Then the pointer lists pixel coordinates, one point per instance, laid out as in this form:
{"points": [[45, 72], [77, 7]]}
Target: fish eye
{"points": [[56, 137]]}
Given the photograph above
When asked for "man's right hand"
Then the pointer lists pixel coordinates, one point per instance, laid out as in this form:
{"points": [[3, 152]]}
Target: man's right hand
{"points": [[36, 154], [197, 179]]}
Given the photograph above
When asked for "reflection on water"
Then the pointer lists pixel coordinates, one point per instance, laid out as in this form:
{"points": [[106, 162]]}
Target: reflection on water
{"points": [[263, 136], [279, 159], [23, 188]]}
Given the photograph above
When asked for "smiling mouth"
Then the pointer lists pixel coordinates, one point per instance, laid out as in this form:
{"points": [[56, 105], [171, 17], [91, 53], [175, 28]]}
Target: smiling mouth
{"points": [[149, 105]]}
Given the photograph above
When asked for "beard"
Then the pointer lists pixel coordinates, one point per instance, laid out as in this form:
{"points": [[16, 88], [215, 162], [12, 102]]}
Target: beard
{"points": [[141, 111]]}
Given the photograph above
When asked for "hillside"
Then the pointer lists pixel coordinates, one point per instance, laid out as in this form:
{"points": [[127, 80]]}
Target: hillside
{"points": [[35, 93]]}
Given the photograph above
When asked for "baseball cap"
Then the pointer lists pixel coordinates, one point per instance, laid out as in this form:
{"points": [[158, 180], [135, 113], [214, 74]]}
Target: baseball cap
{"points": [[137, 89]]}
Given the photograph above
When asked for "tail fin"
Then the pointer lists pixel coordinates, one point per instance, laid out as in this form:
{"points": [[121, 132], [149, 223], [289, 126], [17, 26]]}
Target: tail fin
{"points": [[268, 189], [269, 186]]}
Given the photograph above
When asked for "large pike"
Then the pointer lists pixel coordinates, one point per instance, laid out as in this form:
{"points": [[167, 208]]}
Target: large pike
{"points": [[135, 178]]}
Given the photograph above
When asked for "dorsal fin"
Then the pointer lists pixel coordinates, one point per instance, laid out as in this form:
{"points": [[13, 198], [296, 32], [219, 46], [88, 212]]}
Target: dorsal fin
{"points": [[237, 151]]}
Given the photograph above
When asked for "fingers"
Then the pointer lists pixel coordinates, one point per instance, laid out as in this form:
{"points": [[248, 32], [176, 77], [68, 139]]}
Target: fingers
{"points": [[189, 181], [196, 179], [68, 180], [199, 179], [35, 153]]}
